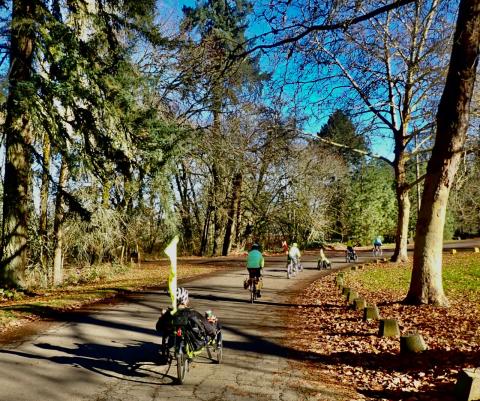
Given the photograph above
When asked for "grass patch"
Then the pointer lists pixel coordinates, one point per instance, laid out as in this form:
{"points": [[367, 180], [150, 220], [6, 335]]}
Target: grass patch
{"points": [[91, 284], [461, 276]]}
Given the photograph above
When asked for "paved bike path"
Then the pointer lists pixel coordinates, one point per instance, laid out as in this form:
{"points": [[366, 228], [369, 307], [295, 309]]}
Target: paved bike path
{"points": [[112, 354]]}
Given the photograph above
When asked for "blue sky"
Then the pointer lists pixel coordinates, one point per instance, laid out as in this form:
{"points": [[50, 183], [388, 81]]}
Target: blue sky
{"points": [[172, 10]]}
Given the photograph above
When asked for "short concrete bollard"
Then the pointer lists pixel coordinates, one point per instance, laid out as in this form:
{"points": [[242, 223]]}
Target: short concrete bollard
{"points": [[388, 328], [467, 387], [412, 343], [370, 312], [476, 250], [454, 252], [384, 260], [352, 295], [359, 303], [354, 268]]}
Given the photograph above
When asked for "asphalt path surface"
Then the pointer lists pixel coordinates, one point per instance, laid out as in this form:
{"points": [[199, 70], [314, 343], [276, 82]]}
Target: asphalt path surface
{"points": [[111, 353]]}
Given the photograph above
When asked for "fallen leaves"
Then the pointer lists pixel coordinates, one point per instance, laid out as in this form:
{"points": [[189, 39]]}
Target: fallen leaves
{"points": [[340, 343]]}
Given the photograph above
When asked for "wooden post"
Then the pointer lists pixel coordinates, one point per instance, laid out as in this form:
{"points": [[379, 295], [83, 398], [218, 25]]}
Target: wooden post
{"points": [[359, 304], [412, 343], [467, 387], [388, 328], [352, 295], [370, 312]]}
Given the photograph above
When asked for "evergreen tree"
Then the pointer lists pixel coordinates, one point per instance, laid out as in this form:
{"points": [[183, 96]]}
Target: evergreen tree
{"points": [[216, 29], [340, 129], [64, 58]]}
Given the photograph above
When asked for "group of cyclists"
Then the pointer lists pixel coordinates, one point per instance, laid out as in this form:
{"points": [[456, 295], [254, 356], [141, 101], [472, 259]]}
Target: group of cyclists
{"points": [[256, 262], [206, 328]]}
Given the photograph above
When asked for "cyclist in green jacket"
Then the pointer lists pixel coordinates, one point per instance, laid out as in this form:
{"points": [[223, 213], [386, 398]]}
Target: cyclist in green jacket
{"points": [[255, 263]]}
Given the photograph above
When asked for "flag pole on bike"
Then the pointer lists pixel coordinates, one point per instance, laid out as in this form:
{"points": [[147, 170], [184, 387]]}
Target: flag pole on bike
{"points": [[171, 252]]}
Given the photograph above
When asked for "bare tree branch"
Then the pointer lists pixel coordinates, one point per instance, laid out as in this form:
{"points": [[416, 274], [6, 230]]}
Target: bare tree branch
{"points": [[417, 181], [330, 27], [362, 152]]}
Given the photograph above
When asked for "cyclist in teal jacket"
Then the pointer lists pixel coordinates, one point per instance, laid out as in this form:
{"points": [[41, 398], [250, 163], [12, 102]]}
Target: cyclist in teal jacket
{"points": [[255, 263]]}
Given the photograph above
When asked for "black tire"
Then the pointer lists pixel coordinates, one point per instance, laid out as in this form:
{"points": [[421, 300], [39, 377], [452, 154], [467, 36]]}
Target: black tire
{"points": [[289, 270], [164, 348], [182, 366], [253, 292], [219, 347], [319, 265]]}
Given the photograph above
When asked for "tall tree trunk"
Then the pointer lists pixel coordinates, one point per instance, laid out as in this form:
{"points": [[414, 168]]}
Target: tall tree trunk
{"points": [[217, 225], [403, 204], [182, 188], [205, 231], [238, 221], [58, 225], [216, 174], [18, 132], [452, 123], [236, 188], [44, 198]]}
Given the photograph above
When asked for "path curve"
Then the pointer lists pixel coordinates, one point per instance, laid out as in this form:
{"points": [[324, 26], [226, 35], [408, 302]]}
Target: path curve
{"points": [[111, 354]]}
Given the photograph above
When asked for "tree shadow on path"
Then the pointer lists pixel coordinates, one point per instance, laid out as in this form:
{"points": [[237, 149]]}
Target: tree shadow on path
{"points": [[117, 361]]}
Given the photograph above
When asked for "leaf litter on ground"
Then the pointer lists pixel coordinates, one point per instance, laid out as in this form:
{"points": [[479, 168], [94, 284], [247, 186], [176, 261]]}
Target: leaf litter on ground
{"points": [[338, 344]]}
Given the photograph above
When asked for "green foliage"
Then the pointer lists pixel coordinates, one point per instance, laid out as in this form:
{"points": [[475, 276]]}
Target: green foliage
{"points": [[464, 204], [369, 204], [340, 129], [449, 228]]}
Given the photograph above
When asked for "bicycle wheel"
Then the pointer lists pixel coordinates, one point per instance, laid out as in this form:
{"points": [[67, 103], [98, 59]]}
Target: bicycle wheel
{"points": [[164, 354], [182, 365], [289, 270], [319, 265], [253, 292], [219, 347]]}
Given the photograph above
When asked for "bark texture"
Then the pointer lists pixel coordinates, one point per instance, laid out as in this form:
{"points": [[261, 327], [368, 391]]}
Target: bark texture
{"points": [[426, 285], [232, 211], [17, 183], [403, 204], [58, 226]]}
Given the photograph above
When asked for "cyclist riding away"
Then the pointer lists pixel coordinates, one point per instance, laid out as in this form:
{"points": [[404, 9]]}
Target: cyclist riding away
{"points": [[323, 259], [377, 244], [350, 252], [255, 263], [294, 255]]}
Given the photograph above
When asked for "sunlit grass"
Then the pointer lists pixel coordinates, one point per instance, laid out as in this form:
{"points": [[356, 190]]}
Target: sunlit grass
{"points": [[92, 284], [461, 276]]}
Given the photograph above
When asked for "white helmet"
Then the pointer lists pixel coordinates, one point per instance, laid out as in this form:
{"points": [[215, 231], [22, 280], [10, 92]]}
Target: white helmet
{"points": [[182, 296]]}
